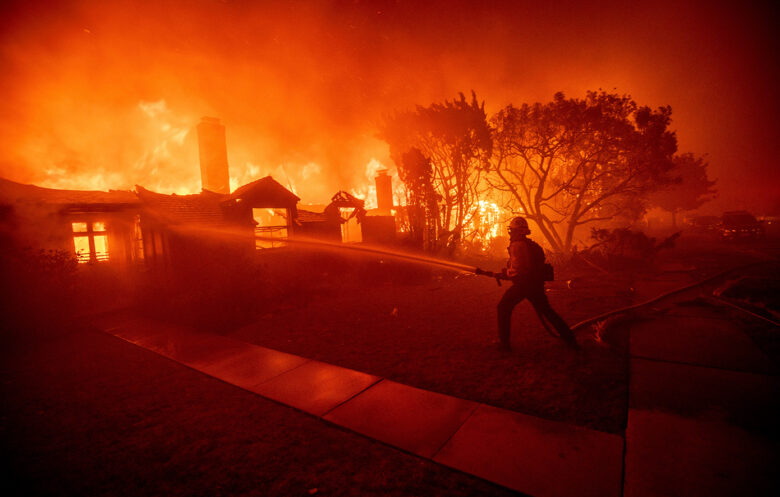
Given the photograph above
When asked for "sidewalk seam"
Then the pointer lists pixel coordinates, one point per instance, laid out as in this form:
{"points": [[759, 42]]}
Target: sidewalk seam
{"points": [[377, 382], [433, 456]]}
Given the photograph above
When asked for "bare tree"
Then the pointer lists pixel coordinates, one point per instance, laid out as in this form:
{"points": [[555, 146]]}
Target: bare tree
{"points": [[571, 162], [454, 138]]}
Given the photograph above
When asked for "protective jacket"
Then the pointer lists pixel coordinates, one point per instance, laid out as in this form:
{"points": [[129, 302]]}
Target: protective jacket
{"points": [[526, 261]]}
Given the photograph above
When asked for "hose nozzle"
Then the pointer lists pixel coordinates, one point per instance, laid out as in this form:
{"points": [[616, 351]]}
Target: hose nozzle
{"points": [[490, 274]]}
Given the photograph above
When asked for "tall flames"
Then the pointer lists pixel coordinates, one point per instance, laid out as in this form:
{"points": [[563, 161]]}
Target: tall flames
{"points": [[168, 163], [105, 96], [305, 83]]}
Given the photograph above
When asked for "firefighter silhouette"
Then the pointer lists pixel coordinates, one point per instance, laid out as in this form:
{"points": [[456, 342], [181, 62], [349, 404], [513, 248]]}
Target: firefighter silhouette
{"points": [[528, 271]]}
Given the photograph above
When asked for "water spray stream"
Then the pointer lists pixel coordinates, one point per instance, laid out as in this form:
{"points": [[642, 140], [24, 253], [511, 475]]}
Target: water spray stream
{"points": [[237, 234], [241, 234], [367, 249]]}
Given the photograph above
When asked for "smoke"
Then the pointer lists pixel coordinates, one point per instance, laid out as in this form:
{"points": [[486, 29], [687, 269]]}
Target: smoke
{"points": [[106, 94]]}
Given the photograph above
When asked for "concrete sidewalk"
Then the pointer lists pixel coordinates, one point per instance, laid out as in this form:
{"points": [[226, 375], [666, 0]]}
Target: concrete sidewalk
{"points": [[703, 409], [702, 398], [525, 453]]}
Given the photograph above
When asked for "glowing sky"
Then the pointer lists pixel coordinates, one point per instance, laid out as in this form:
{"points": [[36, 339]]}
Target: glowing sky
{"points": [[105, 94]]}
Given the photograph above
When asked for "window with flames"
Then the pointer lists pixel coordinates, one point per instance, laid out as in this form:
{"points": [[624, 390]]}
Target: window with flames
{"points": [[90, 241], [271, 228]]}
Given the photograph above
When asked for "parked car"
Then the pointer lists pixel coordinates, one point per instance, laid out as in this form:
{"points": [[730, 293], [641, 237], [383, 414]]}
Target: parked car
{"points": [[740, 225], [771, 225]]}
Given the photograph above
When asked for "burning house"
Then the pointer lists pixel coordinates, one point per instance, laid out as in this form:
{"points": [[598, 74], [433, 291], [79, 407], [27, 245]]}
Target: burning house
{"points": [[125, 227], [346, 218], [161, 231], [269, 207], [178, 229], [132, 227], [97, 226]]}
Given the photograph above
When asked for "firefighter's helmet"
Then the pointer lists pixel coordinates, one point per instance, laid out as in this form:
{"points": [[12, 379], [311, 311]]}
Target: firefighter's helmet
{"points": [[519, 225]]}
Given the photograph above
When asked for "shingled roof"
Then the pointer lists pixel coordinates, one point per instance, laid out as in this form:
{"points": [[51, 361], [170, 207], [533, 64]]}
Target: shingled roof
{"points": [[206, 208], [202, 208], [13, 192], [266, 192]]}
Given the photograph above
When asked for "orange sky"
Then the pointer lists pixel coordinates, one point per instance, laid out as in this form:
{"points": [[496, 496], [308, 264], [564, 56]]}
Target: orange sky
{"points": [[104, 94]]}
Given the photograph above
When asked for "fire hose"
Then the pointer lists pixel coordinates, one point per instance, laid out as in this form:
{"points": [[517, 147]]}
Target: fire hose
{"points": [[502, 276], [497, 276], [667, 294], [490, 274]]}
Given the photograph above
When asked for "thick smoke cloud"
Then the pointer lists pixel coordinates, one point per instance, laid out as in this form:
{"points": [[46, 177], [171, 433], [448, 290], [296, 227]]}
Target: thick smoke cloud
{"points": [[105, 94]]}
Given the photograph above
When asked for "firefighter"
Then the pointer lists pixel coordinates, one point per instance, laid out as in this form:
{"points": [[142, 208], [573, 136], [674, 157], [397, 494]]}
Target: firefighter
{"points": [[526, 269]]}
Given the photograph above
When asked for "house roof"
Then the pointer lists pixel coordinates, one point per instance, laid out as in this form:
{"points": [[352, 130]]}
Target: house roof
{"points": [[206, 208], [202, 208], [305, 216], [13, 192], [265, 192], [346, 199]]}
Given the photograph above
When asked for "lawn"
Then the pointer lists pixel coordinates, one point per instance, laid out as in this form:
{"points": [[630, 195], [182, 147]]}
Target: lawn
{"points": [[438, 332], [84, 413]]}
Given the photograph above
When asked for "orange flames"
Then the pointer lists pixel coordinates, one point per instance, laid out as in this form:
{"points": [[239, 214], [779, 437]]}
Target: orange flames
{"points": [[168, 163], [101, 95]]}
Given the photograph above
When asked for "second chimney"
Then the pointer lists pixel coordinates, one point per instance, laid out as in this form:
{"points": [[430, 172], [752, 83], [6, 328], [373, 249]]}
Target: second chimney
{"points": [[384, 191], [214, 174]]}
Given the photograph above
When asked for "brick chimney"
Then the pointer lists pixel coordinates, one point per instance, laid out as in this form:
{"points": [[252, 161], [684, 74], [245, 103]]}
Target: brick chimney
{"points": [[214, 174], [384, 191]]}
